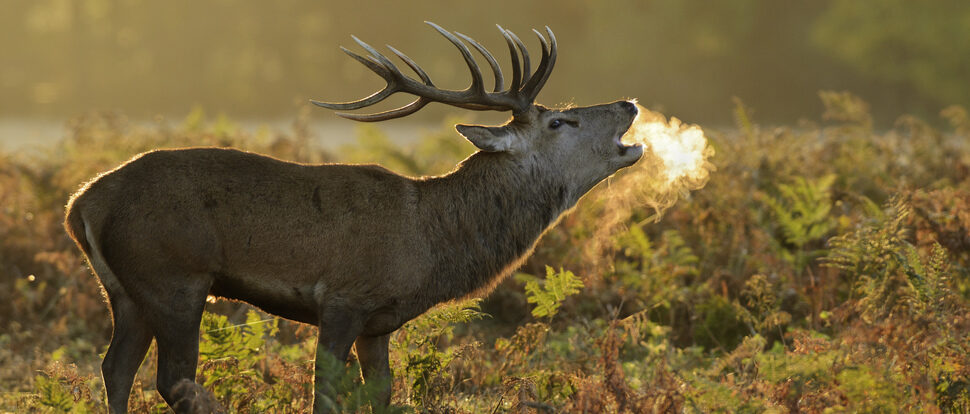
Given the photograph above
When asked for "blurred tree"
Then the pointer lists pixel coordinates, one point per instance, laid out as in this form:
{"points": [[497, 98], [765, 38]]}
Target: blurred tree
{"points": [[925, 44]]}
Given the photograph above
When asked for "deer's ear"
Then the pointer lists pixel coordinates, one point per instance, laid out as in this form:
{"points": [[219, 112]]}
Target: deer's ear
{"points": [[490, 139]]}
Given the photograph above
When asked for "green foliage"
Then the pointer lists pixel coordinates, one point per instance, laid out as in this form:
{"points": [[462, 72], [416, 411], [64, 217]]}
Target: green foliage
{"points": [[742, 118], [958, 118], [761, 310], [341, 391], [229, 353], [896, 281], [881, 261], [846, 107], [53, 394], [548, 295], [423, 361], [656, 276], [869, 392], [61, 389], [222, 339], [718, 325], [238, 362], [802, 211]]}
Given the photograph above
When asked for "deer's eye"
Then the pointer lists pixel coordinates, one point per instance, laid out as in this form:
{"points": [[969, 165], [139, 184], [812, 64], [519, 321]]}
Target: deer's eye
{"points": [[555, 123]]}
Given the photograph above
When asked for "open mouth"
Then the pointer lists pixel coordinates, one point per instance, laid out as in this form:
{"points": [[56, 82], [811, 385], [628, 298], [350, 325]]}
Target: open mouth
{"points": [[624, 148]]}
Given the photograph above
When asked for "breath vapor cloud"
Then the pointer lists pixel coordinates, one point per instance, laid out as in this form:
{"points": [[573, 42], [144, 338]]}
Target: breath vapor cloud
{"points": [[676, 161]]}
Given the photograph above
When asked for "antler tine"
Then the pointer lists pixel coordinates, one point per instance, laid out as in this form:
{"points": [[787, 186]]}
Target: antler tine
{"points": [[373, 65], [516, 70], [380, 58], [553, 54], [381, 65], [496, 69], [413, 65], [405, 110], [543, 61], [368, 61], [526, 68], [538, 79], [478, 84]]}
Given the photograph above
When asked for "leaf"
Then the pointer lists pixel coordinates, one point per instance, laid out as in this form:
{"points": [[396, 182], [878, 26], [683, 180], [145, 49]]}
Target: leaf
{"points": [[548, 295], [803, 212], [53, 394]]}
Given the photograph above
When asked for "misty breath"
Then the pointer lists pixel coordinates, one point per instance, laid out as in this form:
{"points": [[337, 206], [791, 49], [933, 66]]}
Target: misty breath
{"points": [[675, 162]]}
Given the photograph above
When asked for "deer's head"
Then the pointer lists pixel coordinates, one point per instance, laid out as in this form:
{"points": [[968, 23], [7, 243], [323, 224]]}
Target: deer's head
{"points": [[582, 143]]}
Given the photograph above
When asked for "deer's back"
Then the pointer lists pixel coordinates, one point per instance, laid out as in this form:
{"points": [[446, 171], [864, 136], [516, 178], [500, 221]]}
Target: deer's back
{"points": [[258, 224]]}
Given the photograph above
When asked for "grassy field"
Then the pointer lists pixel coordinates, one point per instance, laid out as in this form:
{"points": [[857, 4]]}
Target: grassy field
{"points": [[825, 267]]}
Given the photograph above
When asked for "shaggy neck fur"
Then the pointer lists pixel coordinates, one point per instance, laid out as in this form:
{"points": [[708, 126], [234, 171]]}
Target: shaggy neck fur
{"points": [[485, 218]]}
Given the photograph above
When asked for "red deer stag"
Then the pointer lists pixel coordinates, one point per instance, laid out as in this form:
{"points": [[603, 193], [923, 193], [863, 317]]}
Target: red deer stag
{"points": [[356, 250]]}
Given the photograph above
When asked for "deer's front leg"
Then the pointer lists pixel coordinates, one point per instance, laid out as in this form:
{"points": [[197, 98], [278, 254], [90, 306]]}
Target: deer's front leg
{"points": [[337, 333], [374, 364]]}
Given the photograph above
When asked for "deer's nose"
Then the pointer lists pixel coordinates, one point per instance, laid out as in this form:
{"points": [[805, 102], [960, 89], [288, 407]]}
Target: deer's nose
{"points": [[629, 107]]}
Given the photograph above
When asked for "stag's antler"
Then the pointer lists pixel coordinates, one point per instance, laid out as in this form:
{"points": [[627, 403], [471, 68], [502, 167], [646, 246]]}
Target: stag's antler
{"points": [[519, 97]]}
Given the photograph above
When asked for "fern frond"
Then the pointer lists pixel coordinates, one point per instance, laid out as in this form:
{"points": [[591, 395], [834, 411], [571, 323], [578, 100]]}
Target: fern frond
{"points": [[549, 295]]}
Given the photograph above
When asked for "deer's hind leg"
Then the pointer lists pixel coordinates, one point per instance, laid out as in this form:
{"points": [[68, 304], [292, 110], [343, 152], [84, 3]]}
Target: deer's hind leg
{"points": [[374, 364], [130, 339], [170, 301], [174, 315]]}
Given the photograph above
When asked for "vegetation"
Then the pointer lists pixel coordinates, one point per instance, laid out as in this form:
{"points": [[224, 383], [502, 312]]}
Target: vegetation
{"points": [[824, 268]]}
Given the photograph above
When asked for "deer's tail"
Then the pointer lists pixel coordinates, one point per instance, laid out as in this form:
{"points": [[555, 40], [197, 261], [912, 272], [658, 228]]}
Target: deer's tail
{"points": [[83, 231]]}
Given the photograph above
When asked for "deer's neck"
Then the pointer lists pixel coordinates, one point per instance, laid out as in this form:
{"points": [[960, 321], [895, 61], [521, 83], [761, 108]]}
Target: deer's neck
{"points": [[484, 219]]}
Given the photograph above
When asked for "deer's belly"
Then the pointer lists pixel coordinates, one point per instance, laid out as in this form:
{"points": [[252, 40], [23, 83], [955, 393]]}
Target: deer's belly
{"points": [[292, 302]]}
